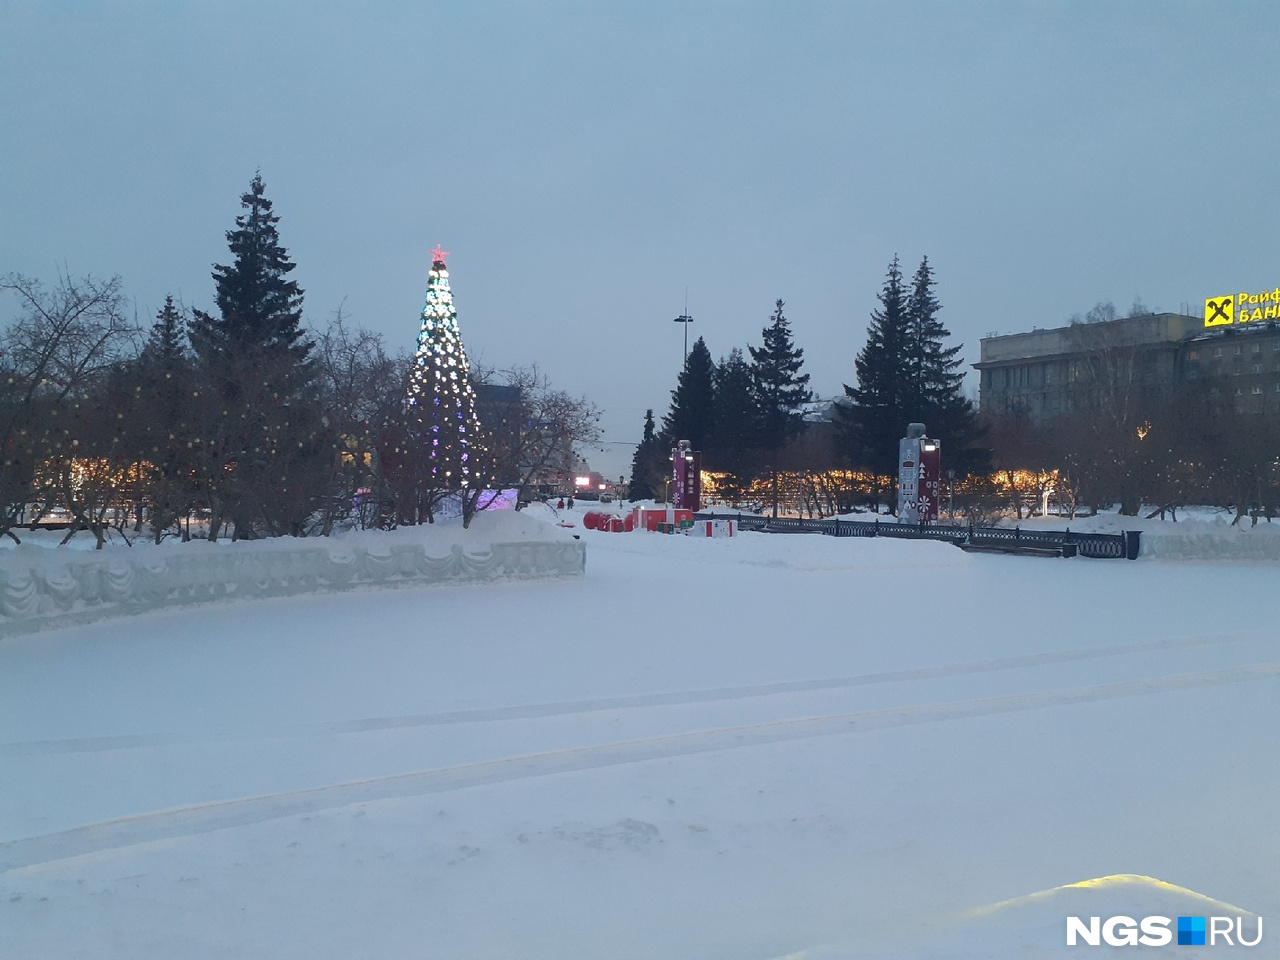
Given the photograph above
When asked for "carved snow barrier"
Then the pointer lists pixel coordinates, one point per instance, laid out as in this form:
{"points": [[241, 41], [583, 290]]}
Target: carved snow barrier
{"points": [[1210, 541], [42, 587]]}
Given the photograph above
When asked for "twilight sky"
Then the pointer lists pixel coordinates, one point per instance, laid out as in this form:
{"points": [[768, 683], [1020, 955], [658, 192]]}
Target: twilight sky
{"points": [[586, 162]]}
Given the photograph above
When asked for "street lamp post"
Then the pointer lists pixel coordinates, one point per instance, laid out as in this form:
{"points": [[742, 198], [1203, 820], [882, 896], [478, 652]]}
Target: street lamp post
{"points": [[685, 319]]}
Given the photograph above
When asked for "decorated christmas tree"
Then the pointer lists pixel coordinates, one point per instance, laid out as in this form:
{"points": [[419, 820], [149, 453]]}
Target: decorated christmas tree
{"points": [[441, 404]]}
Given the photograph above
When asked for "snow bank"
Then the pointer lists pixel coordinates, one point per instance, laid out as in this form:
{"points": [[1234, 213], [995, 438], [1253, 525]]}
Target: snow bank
{"points": [[1195, 536], [42, 587], [1210, 541]]}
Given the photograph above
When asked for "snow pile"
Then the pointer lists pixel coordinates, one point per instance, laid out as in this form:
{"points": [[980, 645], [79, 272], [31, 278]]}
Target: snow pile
{"points": [[1197, 535], [42, 587], [1212, 539]]}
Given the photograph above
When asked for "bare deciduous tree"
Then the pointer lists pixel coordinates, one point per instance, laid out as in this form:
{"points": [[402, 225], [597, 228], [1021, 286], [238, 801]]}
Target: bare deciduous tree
{"points": [[56, 357], [360, 388], [534, 438]]}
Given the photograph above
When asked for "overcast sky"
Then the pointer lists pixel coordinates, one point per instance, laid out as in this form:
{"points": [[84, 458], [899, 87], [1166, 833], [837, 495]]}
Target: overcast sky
{"points": [[585, 163]]}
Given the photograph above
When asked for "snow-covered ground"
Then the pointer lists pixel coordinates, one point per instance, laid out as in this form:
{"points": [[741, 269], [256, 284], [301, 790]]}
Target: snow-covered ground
{"points": [[749, 748]]}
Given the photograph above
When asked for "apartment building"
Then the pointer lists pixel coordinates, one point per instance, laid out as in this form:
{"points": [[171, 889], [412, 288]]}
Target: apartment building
{"points": [[1041, 373]]}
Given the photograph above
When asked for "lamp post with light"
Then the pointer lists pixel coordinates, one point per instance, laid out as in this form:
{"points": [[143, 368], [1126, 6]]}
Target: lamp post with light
{"points": [[685, 319]]}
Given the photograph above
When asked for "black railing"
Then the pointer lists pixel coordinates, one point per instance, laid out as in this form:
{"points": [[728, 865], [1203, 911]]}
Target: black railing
{"points": [[1065, 543]]}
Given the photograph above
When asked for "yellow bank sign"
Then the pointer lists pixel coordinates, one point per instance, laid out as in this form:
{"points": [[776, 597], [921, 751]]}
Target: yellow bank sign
{"points": [[1242, 308]]}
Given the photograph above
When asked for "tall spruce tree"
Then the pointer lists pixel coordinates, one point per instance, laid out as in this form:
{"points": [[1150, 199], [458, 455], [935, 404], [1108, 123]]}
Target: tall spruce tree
{"points": [[260, 309], [161, 421], [907, 375], [260, 432], [692, 400], [165, 348], [871, 425], [648, 466], [934, 379], [778, 384], [780, 391], [735, 429], [931, 368]]}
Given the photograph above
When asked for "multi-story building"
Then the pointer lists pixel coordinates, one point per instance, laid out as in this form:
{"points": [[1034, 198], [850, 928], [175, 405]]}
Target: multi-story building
{"points": [[500, 409], [1240, 365], [1041, 374]]}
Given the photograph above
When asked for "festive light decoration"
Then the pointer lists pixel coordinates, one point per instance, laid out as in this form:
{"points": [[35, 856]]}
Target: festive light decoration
{"points": [[440, 400]]}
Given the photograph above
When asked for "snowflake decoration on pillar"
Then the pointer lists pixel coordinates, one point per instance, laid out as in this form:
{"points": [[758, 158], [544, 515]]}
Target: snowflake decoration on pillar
{"points": [[440, 399]]}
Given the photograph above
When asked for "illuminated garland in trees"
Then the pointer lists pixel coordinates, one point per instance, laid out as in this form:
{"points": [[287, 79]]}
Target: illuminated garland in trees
{"points": [[440, 399]]}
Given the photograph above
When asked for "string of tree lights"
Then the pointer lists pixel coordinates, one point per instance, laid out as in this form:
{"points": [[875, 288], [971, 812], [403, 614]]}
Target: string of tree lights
{"points": [[441, 401], [436, 447]]}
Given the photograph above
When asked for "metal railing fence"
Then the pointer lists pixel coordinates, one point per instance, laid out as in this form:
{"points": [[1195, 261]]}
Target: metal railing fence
{"points": [[1113, 546]]}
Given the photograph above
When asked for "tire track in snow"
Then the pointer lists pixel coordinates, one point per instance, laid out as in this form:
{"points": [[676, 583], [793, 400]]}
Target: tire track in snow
{"points": [[639, 701], [208, 817]]}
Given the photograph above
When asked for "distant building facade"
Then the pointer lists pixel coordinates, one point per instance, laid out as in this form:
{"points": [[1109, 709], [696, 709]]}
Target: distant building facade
{"points": [[1042, 374], [499, 409], [1238, 366]]}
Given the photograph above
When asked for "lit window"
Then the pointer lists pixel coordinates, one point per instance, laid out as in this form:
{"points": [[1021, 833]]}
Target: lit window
{"points": [[1194, 355]]}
